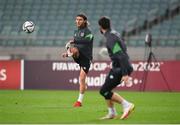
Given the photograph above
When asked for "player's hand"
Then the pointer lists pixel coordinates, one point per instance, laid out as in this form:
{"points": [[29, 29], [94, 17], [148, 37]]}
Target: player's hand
{"points": [[69, 44], [125, 79], [64, 55], [71, 41], [75, 52]]}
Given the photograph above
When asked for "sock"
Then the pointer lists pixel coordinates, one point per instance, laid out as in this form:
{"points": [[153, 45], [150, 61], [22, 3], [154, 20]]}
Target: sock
{"points": [[80, 98], [112, 111], [125, 103]]}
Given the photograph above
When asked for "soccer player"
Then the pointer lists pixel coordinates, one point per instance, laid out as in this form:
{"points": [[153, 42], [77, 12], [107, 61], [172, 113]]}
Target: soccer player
{"points": [[81, 52], [121, 69]]}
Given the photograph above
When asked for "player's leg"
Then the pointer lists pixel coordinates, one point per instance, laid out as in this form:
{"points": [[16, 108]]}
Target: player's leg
{"points": [[84, 69], [82, 87], [111, 82], [82, 81], [111, 110], [127, 106], [82, 84], [106, 92]]}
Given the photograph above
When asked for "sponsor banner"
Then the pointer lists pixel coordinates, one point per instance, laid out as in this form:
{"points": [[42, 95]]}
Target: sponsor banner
{"points": [[10, 74], [156, 76], [43, 75]]}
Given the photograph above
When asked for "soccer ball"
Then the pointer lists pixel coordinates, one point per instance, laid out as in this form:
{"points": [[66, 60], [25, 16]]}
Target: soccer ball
{"points": [[28, 27], [71, 49]]}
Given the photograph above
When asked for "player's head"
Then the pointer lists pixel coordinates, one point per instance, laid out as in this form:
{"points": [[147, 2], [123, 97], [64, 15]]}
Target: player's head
{"points": [[81, 20], [104, 23]]}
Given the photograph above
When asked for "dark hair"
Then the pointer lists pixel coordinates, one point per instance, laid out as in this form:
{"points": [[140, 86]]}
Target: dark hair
{"points": [[84, 17], [105, 22]]}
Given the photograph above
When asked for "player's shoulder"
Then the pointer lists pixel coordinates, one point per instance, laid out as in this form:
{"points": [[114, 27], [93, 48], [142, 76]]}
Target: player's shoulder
{"points": [[114, 33], [111, 34], [87, 33], [83, 30], [83, 33], [87, 30]]}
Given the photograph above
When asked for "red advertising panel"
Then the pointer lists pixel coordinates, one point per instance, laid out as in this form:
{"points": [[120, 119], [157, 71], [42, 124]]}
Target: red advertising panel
{"points": [[10, 74], [158, 76]]}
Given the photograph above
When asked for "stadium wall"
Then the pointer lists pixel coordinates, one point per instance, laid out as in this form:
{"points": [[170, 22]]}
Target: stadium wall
{"points": [[54, 53], [63, 75]]}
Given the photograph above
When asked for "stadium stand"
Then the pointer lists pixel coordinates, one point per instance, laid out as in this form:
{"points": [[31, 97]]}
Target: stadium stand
{"points": [[54, 20]]}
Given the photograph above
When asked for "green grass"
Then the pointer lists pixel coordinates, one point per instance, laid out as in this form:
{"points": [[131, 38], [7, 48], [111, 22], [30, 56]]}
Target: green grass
{"points": [[56, 107]]}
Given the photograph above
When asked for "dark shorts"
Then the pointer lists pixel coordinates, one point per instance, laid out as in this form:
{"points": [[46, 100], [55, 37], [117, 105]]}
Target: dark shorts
{"points": [[83, 62], [113, 79]]}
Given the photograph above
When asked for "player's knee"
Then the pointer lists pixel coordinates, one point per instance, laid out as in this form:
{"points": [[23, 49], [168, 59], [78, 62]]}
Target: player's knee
{"points": [[101, 92], [106, 94]]}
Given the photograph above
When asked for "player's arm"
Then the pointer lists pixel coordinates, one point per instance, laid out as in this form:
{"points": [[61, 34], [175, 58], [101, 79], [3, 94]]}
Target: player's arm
{"points": [[125, 65], [122, 60], [119, 55], [67, 54], [64, 55], [67, 47], [125, 79], [103, 52], [71, 50]]}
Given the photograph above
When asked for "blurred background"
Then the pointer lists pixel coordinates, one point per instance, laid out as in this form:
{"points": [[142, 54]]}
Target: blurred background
{"points": [[54, 20]]}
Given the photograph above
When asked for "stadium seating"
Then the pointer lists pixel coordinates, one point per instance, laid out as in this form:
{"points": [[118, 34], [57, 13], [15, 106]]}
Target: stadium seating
{"points": [[54, 19], [168, 32]]}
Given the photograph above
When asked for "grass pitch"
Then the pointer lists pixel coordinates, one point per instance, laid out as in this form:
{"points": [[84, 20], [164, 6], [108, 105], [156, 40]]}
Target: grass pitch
{"points": [[55, 107]]}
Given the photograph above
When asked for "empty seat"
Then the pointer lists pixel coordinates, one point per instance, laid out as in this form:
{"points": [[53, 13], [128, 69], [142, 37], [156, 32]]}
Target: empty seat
{"points": [[55, 18]]}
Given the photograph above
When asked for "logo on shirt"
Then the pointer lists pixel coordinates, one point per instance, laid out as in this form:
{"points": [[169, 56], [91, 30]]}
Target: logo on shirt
{"points": [[111, 77], [82, 34]]}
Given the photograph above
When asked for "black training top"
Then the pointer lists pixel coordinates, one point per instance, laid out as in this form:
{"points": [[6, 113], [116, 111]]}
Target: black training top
{"points": [[83, 40], [118, 52]]}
